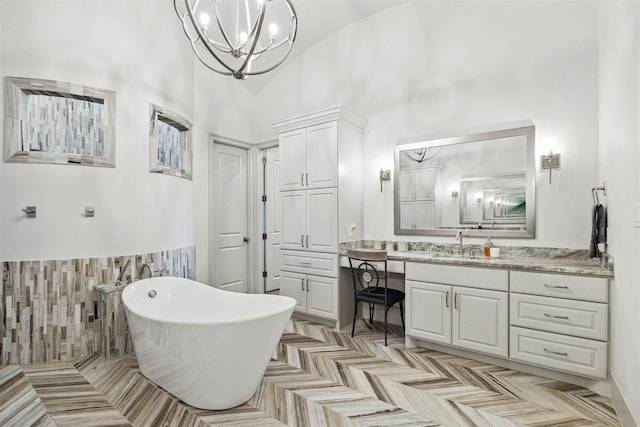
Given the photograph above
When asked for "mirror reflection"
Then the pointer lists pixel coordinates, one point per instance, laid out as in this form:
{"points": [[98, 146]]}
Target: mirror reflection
{"points": [[481, 182]]}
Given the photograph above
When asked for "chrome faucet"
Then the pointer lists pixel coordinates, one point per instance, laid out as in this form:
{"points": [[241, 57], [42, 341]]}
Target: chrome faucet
{"points": [[460, 244], [122, 271], [148, 269]]}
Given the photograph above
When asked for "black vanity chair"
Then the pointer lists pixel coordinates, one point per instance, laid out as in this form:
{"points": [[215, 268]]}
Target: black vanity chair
{"points": [[370, 284]]}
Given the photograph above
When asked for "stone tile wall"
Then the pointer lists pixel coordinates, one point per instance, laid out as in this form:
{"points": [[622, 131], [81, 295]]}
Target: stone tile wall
{"points": [[49, 307]]}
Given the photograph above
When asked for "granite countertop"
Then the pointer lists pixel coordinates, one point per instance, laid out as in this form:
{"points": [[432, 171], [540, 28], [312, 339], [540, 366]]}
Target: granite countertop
{"points": [[550, 260], [589, 267]]}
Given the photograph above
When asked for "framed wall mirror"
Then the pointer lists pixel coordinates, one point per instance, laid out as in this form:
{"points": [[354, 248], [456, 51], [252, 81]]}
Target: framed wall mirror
{"points": [[170, 151], [48, 121], [481, 182]]}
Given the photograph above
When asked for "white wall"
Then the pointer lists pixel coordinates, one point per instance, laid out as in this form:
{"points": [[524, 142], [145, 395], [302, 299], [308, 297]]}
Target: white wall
{"points": [[619, 154], [223, 107], [137, 49], [428, 67]]}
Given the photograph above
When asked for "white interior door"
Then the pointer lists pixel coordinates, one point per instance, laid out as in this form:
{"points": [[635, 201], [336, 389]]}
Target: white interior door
{"points": [[273, 258], [230, 258]]}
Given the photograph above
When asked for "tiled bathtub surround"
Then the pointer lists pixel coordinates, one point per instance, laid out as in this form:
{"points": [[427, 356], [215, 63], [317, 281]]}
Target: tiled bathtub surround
{"points": [[48, 307]]}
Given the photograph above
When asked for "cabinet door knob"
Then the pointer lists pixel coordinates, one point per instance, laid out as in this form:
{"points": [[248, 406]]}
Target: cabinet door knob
{"points": [[302, 240], [455, 300], [446, 299], [301, 180], [302, 280]]}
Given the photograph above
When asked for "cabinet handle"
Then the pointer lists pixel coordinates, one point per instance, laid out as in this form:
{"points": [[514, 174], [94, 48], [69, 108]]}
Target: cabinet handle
{"points": [[302, 240], [302, 280], [304, 263], [301, 180], [307, 176], [556, 352], [446, 299], [307, 285], [556, 286], [555, 316], [455, 300], [307, 240]]}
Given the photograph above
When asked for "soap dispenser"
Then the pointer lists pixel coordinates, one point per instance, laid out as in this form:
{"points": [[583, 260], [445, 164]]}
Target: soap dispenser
{"points": [[487, 247]]}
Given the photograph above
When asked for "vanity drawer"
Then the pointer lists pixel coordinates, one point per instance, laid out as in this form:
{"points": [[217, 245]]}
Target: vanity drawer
{"points": [[473, 277], [560, 285], [569, 354], [565, 316], [320, 264]]}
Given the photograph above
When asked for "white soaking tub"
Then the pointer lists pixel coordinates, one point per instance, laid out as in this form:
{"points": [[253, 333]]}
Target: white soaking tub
{"points": [[206, 346]]}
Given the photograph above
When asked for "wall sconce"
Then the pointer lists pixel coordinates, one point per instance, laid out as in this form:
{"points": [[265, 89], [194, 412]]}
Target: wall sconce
{"points": [[385, 175], [550, 161]]}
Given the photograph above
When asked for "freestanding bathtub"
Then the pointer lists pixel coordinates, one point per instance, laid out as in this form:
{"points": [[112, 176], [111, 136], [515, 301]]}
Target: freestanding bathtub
{"points": [[206, 346]]}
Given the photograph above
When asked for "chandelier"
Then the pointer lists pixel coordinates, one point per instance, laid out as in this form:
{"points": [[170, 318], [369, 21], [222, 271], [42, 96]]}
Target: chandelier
{"points": [[229, 37]]}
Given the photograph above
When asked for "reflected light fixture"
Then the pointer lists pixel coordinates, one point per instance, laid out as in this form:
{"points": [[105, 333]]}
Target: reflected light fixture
{"points": [[239, 38]]}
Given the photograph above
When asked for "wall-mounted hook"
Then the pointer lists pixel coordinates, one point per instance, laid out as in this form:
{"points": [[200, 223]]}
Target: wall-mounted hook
{"points": [[89, 211], [30, 211]]}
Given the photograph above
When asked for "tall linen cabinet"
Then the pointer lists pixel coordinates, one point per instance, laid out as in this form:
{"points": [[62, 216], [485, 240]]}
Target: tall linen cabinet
{"points": [[321, 178]]}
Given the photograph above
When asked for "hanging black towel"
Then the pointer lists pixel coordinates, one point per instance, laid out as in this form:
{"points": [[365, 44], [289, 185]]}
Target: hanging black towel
{"points": [[598, 229]]}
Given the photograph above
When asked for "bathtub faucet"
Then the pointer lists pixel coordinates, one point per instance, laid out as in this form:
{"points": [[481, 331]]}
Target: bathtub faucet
{"points": [[145, 266], [122, 271]]}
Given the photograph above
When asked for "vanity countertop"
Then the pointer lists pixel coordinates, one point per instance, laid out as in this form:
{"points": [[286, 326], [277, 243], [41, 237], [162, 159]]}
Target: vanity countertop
{"points": [[549, 260], [589, 267]]}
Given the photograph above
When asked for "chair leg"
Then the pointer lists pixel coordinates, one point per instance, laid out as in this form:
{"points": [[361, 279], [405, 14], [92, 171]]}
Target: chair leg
{"points": [[386, 310], [355, 315], [371, 309], [402, 315]]}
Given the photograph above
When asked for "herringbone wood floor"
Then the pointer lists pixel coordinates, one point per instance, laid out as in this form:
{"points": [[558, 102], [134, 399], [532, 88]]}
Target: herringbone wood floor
{"points": [[318, 377]]}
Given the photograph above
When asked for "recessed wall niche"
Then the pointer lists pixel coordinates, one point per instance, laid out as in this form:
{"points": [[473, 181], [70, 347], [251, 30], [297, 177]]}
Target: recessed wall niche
{"points": [[48, 121], [170, 150]]}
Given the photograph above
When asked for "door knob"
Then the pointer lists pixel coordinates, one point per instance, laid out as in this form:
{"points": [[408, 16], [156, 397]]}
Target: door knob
{"points": [[246, 240]]}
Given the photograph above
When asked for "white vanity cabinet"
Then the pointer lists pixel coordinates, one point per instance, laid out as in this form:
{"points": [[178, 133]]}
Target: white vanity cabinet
{"points": [[461, 306], [315, 295], [321, 183], [311, 156], [560, 322], [311, 279], [310, 220]]}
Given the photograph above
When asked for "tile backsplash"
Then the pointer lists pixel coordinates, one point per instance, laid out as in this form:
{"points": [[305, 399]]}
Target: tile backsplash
{"points": [[49, 307]]}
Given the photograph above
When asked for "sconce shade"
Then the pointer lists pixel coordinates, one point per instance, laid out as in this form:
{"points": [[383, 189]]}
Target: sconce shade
{"points": [[239, 38]]}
